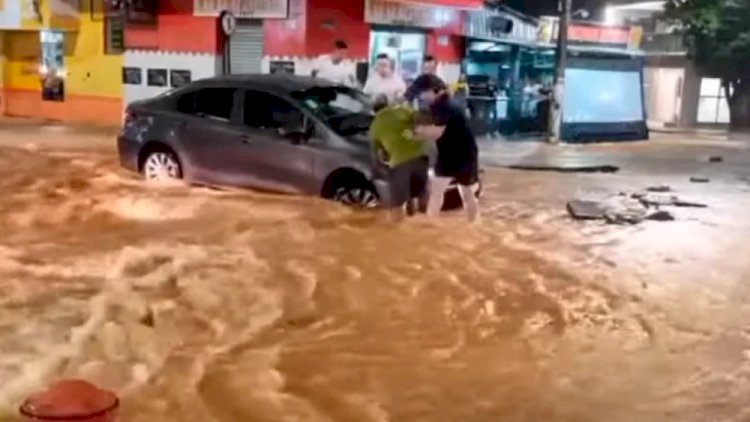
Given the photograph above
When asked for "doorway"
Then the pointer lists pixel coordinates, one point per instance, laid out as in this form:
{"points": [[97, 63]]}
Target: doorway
{"points": [[244, 51], [407, 49]]}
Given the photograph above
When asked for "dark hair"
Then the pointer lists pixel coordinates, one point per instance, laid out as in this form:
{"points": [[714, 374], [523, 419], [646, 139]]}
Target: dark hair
{"points": [[429, 58], [380, 102], [382, 56], [427, 83], [340, 45]]}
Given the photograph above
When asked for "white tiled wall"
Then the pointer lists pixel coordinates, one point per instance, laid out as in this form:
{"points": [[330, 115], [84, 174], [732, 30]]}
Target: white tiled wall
{"points": [[200, 66], [207, 65]]}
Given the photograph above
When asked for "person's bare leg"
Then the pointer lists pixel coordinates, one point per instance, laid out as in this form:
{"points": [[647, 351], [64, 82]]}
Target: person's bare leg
{"points": [[469, 198], [396, 214], [438, 186]]}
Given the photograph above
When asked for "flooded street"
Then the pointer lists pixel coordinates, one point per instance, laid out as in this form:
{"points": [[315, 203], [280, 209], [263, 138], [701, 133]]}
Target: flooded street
{"points": [[207, 305]]}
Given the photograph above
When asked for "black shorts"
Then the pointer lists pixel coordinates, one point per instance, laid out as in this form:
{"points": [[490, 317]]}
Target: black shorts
{"points": [[408, 180], [465, 175]]}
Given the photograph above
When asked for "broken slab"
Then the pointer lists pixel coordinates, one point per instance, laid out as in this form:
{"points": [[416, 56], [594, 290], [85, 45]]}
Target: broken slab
{"points": [[659, 189], [652, 199], [689, 204], [586, 210], [660, 215]]}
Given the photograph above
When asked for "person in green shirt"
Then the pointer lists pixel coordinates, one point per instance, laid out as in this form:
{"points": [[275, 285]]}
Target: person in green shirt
{"points": [[395, 146]]}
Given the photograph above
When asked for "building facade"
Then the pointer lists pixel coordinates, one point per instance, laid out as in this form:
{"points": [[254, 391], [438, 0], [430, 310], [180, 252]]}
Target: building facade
{"points": [[288, 35], [54, 62], [677, 94]]}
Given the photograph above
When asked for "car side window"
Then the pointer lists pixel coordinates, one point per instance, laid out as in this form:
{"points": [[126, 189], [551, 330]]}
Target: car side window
{"points": [[267, 111], [209, 103]]}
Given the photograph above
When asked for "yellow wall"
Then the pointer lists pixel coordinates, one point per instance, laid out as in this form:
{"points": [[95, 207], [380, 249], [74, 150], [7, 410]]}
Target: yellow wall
{"points": [[93, 81], [90, 71], [22, 60]]}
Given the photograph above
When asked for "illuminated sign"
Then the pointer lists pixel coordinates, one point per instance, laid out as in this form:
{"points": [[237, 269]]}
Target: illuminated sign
{"points": [[386, 12], [591, 33]]}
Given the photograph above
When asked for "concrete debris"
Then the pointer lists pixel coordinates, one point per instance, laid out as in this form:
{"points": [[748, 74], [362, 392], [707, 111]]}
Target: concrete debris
{"points": [[659, 189], [630, 208], [689, 204], [568, 169], [657, 199], [586, 210], [661, 215], [696, 179], [622, 209]]}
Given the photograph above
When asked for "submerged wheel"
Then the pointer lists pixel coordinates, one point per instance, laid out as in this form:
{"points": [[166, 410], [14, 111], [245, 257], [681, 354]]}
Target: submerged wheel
{"points": [[363, 197], [161, 165]]}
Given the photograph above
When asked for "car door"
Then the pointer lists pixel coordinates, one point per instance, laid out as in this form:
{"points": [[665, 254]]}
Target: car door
{"points": [[269, 159], [212, 135]]}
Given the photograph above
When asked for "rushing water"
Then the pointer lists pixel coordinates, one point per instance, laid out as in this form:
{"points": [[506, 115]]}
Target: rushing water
{"points": [[204, 305]]}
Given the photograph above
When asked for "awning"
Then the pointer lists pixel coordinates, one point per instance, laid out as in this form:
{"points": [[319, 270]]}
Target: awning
{"points": [[458, 4]]}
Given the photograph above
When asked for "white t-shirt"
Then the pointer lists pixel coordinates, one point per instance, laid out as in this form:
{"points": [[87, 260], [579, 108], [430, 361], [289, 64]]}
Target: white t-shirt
{"points": [[339, 73], [392, 87]]}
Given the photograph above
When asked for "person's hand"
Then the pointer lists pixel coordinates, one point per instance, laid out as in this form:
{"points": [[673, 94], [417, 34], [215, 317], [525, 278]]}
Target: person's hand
{"points": [[429, 132]]}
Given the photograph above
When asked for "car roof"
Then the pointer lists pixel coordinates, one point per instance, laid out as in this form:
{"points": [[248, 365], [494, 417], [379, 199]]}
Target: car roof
{"points": [[280, 83]]}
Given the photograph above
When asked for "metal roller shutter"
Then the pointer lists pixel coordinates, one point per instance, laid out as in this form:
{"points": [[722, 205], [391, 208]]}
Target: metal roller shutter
{"points": [[246, 47]]}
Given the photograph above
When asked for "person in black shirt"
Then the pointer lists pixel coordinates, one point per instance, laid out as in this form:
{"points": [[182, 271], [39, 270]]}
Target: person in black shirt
{"points": [[457, 151]]}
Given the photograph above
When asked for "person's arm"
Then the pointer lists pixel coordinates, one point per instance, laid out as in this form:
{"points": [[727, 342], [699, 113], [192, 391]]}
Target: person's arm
{"points": [[400, 88], [429, 132], [369, 88], [315, 67]]}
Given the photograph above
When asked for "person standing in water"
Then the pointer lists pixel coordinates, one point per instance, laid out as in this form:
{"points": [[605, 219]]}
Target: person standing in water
{"points": [[457, 151], [397, 151]]}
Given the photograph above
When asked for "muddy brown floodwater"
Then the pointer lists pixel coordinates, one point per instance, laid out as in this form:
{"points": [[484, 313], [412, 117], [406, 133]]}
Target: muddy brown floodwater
{"points": [[206, 305]]}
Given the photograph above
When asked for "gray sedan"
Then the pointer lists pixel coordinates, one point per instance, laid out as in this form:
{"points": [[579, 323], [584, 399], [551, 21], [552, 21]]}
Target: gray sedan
{"points": [[278, 133]]}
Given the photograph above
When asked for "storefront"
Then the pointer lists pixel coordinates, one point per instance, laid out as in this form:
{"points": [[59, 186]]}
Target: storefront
{"points": [[54, 66], [408, 31], [501, 60]]}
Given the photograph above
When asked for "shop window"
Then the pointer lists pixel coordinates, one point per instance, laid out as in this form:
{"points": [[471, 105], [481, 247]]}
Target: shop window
{"points": [[179, 78], [210, 103], [52, 69], [157, 77], [132, 76], [712, 104], [114, 34]]}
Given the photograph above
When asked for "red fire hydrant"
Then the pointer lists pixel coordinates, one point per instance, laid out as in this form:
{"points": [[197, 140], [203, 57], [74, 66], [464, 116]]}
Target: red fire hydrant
{"points": [[71, 400]]}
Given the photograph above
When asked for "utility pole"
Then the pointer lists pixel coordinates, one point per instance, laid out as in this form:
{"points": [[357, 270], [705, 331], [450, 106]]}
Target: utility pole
{"points": [[561, 56]]}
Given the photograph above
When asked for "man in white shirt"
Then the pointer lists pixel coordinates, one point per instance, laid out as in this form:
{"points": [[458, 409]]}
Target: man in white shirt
{"points": [[384, 81], [333, 68]]}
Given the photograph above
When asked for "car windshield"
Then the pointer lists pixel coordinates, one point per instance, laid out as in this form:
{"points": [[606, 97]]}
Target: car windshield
{"points": [[347, 111]]}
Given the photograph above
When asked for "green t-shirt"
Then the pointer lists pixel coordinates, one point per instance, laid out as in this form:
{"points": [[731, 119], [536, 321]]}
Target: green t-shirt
{"points": [[393, 131]]}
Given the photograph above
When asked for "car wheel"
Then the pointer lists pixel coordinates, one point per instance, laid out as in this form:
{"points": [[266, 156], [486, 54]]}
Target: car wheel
{"points": [[363, 197], [161, 165]]}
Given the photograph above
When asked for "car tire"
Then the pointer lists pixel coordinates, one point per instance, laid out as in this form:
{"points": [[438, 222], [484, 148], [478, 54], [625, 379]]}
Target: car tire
{"points": [[358, 195], [161, 164]]}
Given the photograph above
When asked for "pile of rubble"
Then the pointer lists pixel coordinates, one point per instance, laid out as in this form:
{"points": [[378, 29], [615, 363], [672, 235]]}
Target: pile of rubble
{"points": [[631, 208]]}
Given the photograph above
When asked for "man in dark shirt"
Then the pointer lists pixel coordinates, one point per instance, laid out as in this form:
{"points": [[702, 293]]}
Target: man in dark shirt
{"points": [[457, 151]]}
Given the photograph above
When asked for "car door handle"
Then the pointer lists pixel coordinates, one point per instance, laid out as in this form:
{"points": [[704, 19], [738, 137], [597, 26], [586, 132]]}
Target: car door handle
{"points": [[245, 139]]}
